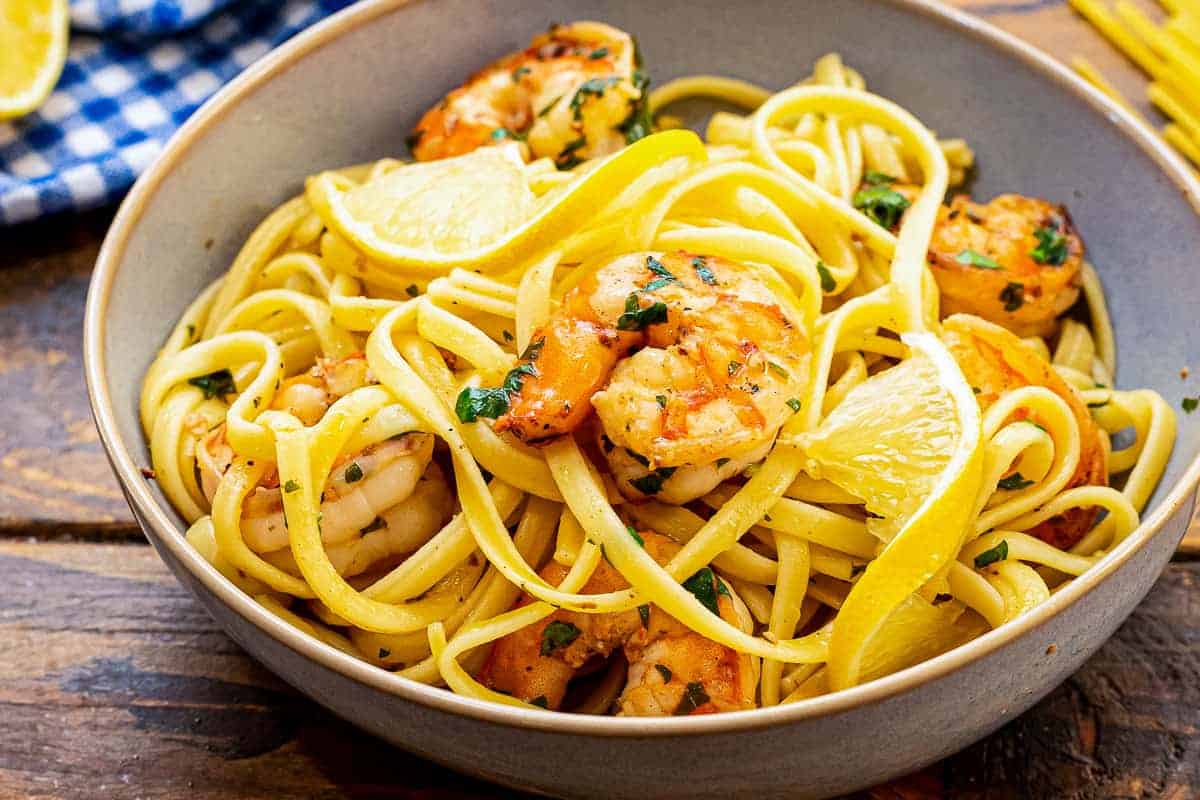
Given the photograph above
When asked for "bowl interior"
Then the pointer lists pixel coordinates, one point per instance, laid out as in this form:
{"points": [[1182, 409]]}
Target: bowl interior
{"points": [[355, 97]]}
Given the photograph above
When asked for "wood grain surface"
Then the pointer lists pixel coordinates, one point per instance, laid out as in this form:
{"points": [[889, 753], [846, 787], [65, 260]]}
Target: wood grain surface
{"points": [[114, 683]]}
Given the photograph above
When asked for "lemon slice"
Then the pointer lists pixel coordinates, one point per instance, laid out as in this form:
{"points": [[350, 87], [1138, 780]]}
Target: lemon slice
{"points": [[477, 211], [889, 441], [446, 206], [33, 49], [908, 442]]}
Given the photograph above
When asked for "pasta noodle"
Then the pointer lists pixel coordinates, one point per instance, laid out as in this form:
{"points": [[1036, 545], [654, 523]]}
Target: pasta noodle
{"points": [[306, 416]]}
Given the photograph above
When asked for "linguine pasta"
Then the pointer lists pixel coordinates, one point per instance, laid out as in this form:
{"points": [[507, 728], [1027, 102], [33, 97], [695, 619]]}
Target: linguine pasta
{"points": [[829, 590]]}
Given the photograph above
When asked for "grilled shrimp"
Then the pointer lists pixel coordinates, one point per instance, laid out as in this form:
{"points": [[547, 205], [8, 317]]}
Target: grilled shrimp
{"points": [[995, 361], [719, 371], [672, 670], [1015, 261], [384, 500], [574, 94]]}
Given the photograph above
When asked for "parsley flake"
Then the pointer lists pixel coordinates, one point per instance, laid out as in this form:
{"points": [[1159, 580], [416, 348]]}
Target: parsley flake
{"points": [[593, 87], [882, 205], [644, 613], [1189, 404], [970, 258], [215, 384], [997, 553], [1013, 296], [637, 318], [705, 585], [637, 537], [665, 671], [700, 264], [291, 486], [558, 634], [540, 701], [411, 290], [652, 483], [694, 696], [794, 404], [828, 284], [353, 473], [1014, 482], [1051, 247]]}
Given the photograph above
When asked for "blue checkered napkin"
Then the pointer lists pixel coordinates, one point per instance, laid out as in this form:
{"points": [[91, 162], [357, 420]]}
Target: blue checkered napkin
{"points": [[126, 88]]}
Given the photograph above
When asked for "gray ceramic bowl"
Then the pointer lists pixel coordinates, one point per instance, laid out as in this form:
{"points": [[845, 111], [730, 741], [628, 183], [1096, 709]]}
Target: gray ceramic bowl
{"points": [[349, 89]]}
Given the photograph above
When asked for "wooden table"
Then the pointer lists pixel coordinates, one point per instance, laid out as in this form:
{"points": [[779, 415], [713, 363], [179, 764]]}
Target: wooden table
{"points": [[115, 684]]}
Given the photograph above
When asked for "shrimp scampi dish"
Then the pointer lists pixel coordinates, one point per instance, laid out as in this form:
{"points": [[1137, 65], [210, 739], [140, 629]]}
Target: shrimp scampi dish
{"points": [[576, 410]]}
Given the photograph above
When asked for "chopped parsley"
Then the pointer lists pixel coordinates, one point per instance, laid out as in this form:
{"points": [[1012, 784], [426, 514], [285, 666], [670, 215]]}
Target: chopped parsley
{"points": [[997, 553], [665, 671], [882, 205], [652, 483], [873, 178], [191, 329], [694, 696], [1051, 247], [1190, 404], [384, 652], [644, 613], [971, 258], [661, 399], [940, 598], [533, 349], [558, 634], [475, 403], [1014, 482], [569, 157], [215, 384], [639, 124], [700, 264], [291, 486], [638, 457], [1013, 296], [540, 701], [722, 462], [828, 284], [504, 133], [794, 404], [598, 53], [593, 87], [637, 537], [411, 290], [778, 370], [375, 525], [508, 337], [664, 275], [637, 318], [705, 585], [353, 473], [732, 367], [519, 73]]}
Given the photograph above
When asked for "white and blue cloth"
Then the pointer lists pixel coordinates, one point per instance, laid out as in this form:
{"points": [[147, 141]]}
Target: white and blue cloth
{"points": [[136, 69]]}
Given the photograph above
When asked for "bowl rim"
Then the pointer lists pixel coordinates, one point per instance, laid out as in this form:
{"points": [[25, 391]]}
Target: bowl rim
{"points": [[164, 532]]}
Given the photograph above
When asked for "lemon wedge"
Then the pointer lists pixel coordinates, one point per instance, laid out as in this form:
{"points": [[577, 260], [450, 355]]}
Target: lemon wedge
{"points": [[445, 206], [33, 49], [477, 211], [908, 442]]}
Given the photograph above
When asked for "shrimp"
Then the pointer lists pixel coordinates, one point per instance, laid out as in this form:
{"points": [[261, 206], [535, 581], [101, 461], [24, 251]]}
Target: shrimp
{"points": [[574, 94], [995, 361], [1016, 261], [672, 669], [384, 500], [719, 371]]}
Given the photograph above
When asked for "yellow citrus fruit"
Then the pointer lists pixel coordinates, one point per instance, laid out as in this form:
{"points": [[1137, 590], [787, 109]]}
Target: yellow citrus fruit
{"points": [[908, 442], [445, 206], [33, 49], [477, 211], [889, 441]]}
